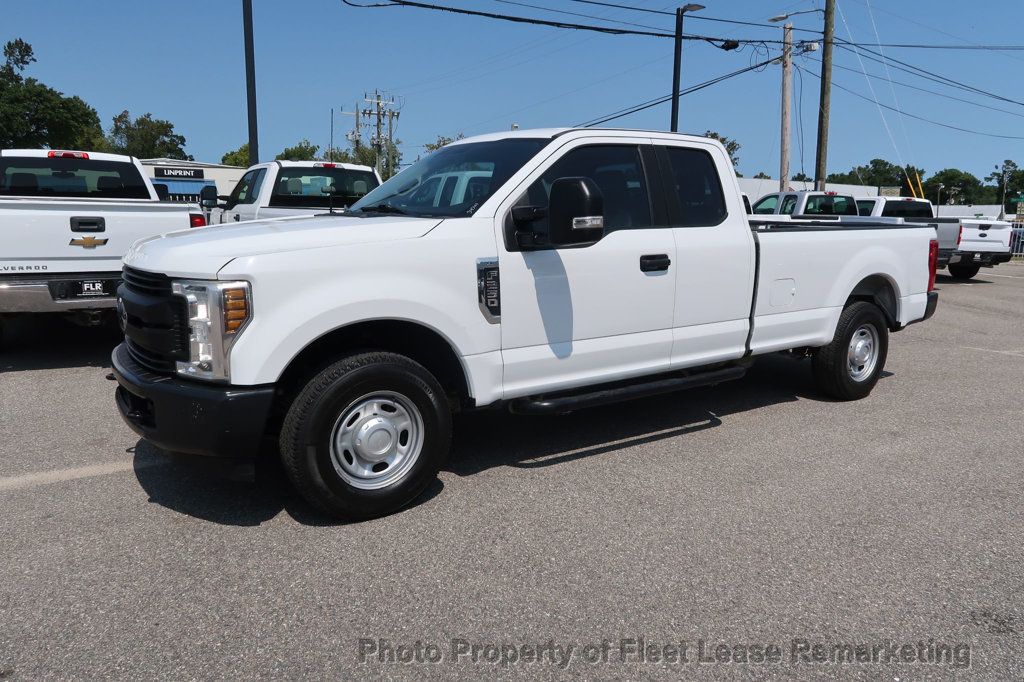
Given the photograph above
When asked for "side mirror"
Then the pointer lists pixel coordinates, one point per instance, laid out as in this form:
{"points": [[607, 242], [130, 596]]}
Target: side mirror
{"points": [[208, 197], [162, 193], [575, 212]]}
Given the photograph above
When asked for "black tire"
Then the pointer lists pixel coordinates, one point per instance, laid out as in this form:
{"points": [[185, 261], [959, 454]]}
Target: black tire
{"points": [[961, 271], [309, 425], [831, 364]]}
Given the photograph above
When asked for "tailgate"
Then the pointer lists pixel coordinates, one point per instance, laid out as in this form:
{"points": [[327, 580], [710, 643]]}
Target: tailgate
{"points": [[79, 236], [985, 237]]}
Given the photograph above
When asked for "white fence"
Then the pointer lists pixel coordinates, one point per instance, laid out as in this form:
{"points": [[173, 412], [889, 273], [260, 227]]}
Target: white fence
{"points": [[1017, 240]]}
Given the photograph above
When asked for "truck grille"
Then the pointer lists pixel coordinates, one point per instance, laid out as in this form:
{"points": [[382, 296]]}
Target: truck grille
{"points": [[148, 283], [155, 321]]}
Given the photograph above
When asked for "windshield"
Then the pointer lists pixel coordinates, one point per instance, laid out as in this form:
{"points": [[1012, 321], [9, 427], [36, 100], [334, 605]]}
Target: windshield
{"points": [[453, 181]]}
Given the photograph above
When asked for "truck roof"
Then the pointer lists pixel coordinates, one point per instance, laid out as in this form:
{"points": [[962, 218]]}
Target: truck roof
{"points": [[557, 132], [45, 153], [315, 164]]}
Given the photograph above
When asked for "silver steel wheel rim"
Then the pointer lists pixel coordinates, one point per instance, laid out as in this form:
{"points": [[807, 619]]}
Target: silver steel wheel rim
{"points": [[862, 355], [376, 440]]}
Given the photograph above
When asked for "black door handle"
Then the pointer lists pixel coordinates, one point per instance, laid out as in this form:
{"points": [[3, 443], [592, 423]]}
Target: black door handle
{"points": [[84, 224], [655, 263]]}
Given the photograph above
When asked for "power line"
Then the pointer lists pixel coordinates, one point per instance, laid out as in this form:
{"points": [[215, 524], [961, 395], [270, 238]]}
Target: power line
{"points": [[921, 118], [701, 17], [578, 14], [636, 108], [921, 73]]}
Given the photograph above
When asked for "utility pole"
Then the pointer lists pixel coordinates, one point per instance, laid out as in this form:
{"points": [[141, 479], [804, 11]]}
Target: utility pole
{"points": [[787, 95], [392, 115], [250, 81], [821, 158], [330, 145], [677, 63], [381, 108]]}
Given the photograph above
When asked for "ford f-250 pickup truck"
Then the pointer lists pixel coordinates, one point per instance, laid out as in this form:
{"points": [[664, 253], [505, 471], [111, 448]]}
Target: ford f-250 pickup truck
{"points": [[279, 189], [586, 266], [965, 244], [66, 219]]}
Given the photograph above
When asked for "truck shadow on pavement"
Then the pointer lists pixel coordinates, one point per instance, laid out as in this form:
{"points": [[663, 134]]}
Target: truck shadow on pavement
{"points": [[49, 342], [220, 492]]}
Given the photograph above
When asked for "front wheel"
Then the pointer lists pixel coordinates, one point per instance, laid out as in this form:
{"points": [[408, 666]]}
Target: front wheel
{"points": [[960, 271], [366, 435], [849, 367]]}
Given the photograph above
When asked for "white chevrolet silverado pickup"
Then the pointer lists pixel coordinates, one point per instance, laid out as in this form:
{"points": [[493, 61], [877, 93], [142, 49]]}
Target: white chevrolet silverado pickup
{"points": [[580, 267], [66, 219], [279, 189]]}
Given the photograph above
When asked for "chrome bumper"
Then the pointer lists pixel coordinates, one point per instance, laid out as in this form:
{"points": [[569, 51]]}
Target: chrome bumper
{"points": [[33, 296]]}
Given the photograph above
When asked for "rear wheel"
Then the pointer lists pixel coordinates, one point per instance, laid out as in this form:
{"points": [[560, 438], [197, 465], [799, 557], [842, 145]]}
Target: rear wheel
{"points": [[961, 271], [366, 435], [849, 367]]}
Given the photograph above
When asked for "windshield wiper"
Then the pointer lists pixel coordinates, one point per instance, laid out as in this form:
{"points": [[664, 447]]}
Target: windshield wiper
{"points": [[383, 208]]}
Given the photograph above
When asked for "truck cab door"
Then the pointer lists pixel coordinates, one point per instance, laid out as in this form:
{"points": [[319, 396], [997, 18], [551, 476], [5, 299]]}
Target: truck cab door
{"points": [[714, 252], [591, 313], [242, 203]]}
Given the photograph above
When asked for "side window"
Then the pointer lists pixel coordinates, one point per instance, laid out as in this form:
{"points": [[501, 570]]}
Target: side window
{"points": [[697, 184], [788, 204], [865, 207], [615, 169], [767, 205], [248, 188]]}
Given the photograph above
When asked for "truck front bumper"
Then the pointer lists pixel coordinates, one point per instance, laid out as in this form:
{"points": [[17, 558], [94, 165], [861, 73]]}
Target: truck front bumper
{"points": [[59, 293], [184, 416]]}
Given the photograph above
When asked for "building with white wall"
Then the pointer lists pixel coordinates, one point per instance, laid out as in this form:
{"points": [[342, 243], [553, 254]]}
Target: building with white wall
{"points": [[184, 179]]}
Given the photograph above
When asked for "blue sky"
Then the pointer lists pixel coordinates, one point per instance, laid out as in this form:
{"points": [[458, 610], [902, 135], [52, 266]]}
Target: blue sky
{"points": [[182, 60]]}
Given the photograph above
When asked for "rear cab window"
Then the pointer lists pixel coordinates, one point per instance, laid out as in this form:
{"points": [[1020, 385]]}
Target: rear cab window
{"points": [[306, 187], [865, 206], [71, 178], [788, 204], [830, 204], [695, 182], [907, 209]]}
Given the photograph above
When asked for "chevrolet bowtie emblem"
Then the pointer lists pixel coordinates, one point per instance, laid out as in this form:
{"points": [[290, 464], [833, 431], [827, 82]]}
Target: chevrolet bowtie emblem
{"points": [[87, 242]]}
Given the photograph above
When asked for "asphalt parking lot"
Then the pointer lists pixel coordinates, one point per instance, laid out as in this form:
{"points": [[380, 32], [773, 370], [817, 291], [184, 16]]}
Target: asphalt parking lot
{"points": [[753, 513]]}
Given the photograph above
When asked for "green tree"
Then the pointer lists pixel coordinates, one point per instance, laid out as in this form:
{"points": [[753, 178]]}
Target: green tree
{"points": [[35, 115], [146, 137], [441, 141], [1008, 181], [302, 151], [762, 176], [879, 173], [958, 187], [238, 157], [732, 147], [803, 177]]}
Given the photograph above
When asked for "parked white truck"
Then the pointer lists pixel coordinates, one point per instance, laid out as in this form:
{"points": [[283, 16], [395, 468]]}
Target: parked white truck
{"points": [[66, 219], [806, 203], [592, 266], [965, 244], [292, 188]]}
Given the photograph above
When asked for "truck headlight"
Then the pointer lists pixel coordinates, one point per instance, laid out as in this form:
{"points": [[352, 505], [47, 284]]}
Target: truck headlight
{"points": [[217, 314]]}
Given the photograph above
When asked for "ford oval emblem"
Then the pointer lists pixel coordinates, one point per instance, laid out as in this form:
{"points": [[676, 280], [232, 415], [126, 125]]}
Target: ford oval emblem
{"points": [[983, 234]]}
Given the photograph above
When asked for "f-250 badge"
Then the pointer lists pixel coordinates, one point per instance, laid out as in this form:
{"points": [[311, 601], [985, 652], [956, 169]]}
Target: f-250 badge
{"points": [[489, 289]]}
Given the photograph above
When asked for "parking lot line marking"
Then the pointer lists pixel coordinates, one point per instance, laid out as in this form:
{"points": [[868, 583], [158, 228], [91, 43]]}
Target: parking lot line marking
{"points": [[992, 274], [1016, 353], [62, 475]]}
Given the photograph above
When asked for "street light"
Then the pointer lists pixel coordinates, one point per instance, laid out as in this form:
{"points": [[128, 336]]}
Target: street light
{"points": [[783, 17], [678, 58], [938, 202]]}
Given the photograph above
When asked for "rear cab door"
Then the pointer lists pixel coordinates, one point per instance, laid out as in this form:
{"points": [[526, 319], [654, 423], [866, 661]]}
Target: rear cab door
{"points": [[714, 253]]}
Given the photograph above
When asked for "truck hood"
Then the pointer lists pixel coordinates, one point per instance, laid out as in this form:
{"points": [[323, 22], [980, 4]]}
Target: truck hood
{"points": [[202, 252]]}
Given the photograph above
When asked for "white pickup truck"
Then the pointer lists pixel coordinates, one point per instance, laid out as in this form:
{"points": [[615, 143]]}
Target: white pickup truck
{"points": [[965, 244], [66, 219], [806, 203], [279, 189], [592, 266]]}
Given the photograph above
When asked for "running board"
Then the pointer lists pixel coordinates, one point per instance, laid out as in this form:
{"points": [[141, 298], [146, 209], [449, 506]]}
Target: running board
{"points": [[567, 402]]}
